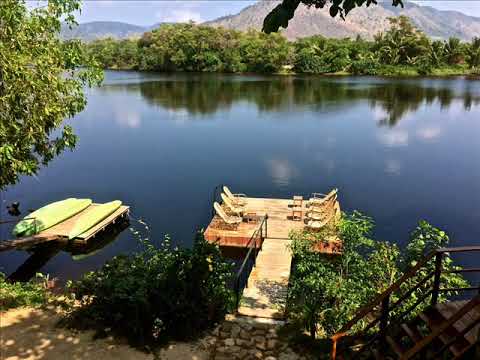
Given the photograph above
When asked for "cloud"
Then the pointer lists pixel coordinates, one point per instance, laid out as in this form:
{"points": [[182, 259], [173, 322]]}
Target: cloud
{"points": [[179, 16]]}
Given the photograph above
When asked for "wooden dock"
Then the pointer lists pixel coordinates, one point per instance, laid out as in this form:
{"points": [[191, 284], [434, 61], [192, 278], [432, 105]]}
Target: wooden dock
{"points": [[280, 224], [266, 290], [60, 231]]}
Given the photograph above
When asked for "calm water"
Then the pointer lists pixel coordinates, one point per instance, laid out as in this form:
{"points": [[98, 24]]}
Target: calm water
{"points": [[398, 150]]}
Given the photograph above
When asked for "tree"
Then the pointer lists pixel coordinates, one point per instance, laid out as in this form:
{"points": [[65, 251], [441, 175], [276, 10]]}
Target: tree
{"points": [[402, 44], [41, 83], [325, 292], [281, 14], [473, 53], [454, 51]]}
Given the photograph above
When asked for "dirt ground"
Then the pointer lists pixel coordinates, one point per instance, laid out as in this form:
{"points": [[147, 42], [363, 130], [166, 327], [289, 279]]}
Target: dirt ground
{"points": [[32, 334]]}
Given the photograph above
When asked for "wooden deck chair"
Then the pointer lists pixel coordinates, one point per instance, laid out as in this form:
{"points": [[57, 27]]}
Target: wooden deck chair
{"points": [[236, 199], [318, 212], [229, 220], [317, 200], [230, 206], [332, 215]]}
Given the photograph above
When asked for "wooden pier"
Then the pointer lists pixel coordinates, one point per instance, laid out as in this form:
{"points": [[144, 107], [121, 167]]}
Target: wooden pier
{"points": [[60, 231], [266, 288], [281, 222]]}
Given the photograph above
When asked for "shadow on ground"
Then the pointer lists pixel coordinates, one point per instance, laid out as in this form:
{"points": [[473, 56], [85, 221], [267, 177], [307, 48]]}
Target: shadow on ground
{"points": [[33, 334]]}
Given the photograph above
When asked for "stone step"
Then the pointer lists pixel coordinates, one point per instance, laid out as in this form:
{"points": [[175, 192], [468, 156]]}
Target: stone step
{"points": [[261, 313]]}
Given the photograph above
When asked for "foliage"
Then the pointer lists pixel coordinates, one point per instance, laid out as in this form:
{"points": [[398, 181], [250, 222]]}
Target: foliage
{"points": [[325, 291], [112, 54], [17, 294], [402, 44], [188, 47], [401, 50], [424, 239], [473, 53], [284, 12], [41, 83], [158, 293], [318, 55]]}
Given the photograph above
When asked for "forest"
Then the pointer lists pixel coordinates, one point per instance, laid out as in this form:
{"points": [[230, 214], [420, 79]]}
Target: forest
{"points": [[402, 50]]}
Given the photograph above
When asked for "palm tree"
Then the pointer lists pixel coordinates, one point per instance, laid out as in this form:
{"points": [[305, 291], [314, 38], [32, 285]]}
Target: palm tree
{"points": [[454, 51]]}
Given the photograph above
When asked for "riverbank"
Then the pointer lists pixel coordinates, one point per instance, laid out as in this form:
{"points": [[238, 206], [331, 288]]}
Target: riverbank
{"points": [[392, 72], [400, 51], [33, 333]]}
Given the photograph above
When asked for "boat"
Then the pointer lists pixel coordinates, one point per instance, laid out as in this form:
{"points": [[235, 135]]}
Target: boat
{"points": [[92, 216], [50, 215]]}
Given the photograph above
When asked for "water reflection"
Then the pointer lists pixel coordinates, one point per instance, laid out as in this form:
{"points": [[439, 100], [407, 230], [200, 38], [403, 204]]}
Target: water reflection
{"points": [[391, 100], [43, 253], [161, 143]]}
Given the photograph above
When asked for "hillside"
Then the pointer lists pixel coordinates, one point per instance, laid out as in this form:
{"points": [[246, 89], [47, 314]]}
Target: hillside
{"points": [[102, 29], [361, 21]]}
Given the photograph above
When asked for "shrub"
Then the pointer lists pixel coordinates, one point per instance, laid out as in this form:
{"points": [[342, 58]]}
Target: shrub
{"points": [[367, 66], [19, 294], [157, 294], [325, 291]]}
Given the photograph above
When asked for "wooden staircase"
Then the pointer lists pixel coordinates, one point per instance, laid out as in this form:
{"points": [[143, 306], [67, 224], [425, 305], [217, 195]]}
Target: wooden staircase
{"points": [[451, 330], [448, 330]]}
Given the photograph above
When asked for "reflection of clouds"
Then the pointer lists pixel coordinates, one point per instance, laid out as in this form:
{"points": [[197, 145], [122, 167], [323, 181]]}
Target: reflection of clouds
{"points": [[429, 133], [128, 118], [379, 114], [393, 137], [393, 167], [281, 171], [183, 113]]}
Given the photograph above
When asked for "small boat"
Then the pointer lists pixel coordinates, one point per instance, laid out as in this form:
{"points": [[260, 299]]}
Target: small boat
{"points": [[50, 215], [92, 216]]}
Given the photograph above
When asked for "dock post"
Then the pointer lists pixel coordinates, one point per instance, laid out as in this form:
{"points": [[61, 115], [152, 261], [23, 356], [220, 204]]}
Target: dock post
{"points": [[266, 225]]}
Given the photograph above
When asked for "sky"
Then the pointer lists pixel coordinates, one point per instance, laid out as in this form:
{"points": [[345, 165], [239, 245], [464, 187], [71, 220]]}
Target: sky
{"points": [[141, 12]]}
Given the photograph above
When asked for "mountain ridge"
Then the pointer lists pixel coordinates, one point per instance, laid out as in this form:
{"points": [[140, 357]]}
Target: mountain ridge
{"points": [[366, 22]]}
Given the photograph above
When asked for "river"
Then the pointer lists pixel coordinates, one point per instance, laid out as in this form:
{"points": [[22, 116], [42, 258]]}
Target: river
{"points": [[399, 150]]}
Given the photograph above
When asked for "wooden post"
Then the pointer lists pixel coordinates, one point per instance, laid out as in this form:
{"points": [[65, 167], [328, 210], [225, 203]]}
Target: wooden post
{"points": [[266, 225], [436, 279], [384, 319]]}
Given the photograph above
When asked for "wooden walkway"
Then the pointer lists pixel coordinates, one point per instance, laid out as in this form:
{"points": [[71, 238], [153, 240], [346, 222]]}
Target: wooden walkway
{"points": [[266, 291], [60, 231]]}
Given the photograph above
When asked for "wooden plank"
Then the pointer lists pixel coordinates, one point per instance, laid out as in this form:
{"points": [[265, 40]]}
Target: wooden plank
{"points": [[60, 231], [449, 309], [26, 242], [280, 224], [104, 223], [266, 293], [64, 228]]}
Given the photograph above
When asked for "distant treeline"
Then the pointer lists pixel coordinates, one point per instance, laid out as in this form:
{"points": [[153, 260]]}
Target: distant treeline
{"points": [[402, 50]]}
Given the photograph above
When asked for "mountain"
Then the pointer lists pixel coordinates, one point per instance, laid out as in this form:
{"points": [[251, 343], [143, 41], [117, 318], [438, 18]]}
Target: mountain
{"points": [[102, 29], [310, 21], [360, 21]]}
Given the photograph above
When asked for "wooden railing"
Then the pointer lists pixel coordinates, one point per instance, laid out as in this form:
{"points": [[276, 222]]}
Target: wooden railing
{"points": [[383, 314], [253, 247]]}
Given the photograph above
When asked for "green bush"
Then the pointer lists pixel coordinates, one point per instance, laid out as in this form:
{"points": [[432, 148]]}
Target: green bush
{"points": [[19, 294], [325, 292], [157, 294], [367, 66]]}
